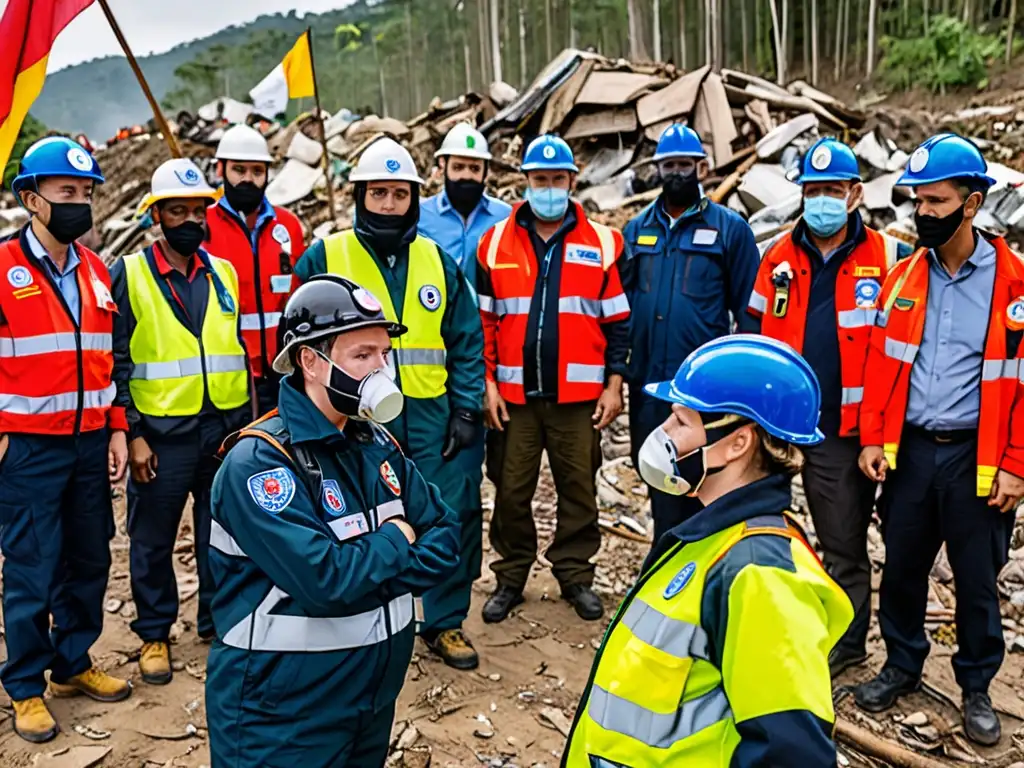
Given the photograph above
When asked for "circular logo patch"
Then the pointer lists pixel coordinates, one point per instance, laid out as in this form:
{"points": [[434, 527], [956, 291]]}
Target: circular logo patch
{"points": [[680, 580], [821, 158], [1015, 314], [366, 300], [470, 142], [549, 152], [79, 160], [19, 277], [918, 160], [430, 297], [190, 177], [866, 292], [280, 234], [393, 165]]}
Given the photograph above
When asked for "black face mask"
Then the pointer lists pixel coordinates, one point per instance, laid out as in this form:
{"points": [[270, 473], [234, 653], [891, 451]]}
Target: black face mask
{"points": [[69, 221], [384, 231], [185, 238], [464, 194], [936, 231], [681, 190], [245, 197]]}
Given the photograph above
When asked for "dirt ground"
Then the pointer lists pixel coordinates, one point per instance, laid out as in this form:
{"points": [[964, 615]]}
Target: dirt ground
{"points": [[508, 713]]}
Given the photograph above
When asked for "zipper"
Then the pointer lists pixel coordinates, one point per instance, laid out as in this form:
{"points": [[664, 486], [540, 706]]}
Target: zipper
{"points": [[540, 322]]}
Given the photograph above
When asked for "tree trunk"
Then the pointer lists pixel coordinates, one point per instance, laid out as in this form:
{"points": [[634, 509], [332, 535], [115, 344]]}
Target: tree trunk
{"points": [[547, 29], [858, 33], [380, 75], [838, 54], [495, 42], [967, 11], [635, 42], [814, 43], [684, 59], [786, 38], [709, 52], [481, 31], [872, 14], [745, 32], [780, 51], [522, 47], [846, 36], [805, 18], [1011, 20], [657, 30]]}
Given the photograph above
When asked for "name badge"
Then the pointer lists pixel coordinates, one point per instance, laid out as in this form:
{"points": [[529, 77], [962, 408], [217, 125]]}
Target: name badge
{"points": [[705, 236], [581, 254], [280, 283]]}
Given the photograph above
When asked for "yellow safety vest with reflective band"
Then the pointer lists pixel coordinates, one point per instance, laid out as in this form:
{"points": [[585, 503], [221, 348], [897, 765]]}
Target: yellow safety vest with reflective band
{"points": [[420, 354], [173, 368], [657, 699]]}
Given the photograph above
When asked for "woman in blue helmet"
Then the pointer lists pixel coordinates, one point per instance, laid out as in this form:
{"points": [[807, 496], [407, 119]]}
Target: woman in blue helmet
{"points": [[719, 654]]}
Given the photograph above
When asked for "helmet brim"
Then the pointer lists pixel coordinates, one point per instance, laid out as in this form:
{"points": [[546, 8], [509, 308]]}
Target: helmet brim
{"points": [[908, 181], [283, 363], [571, 167], [476, 154], [810, 178], [670, 155], [198, 194], [253, 158]]}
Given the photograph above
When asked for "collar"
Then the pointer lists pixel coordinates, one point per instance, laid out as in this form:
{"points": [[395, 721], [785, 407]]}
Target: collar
{"points": [[694, 210], [303, 420], [40, 253], [768, 496], [195, 263], [444, 205], [855, 235], [265, 212], [984, 255]]}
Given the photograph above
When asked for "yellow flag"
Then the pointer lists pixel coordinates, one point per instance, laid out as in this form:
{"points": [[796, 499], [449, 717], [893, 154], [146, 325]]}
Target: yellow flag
{"points": [[298, 69]]}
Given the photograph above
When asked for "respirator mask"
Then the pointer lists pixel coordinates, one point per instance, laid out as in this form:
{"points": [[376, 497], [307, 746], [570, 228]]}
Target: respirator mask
{"points": [[375, 397]]}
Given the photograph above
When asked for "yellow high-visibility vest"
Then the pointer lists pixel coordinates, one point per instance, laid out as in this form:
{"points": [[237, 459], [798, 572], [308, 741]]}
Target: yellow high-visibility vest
{"points": [[419, 355], [173, 368]]}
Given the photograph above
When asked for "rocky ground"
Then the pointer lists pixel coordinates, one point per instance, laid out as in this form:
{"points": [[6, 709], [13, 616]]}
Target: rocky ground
{"points": [[515, 709]]}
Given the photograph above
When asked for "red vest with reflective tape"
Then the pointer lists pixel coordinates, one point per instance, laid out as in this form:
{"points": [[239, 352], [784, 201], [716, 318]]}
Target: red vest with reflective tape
{"points": [[783, 311], [894, 346], [590, 294], [55, 379], [265, 279]]}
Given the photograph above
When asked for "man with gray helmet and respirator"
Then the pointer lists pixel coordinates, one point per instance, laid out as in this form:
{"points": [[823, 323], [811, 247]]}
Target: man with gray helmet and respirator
{"points": [[324, 536]]}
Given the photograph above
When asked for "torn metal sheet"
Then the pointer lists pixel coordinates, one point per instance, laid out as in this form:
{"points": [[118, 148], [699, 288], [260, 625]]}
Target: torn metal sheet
{"points": [[766, 186], [873, 151], [611, 195], [605, 164], [1004, 176], [878, 192], [602, 122], [561, 102], [778, 139], [677, 99], [770, 220], [295, 181], [617, 88], [304, 149], [713, 120]]}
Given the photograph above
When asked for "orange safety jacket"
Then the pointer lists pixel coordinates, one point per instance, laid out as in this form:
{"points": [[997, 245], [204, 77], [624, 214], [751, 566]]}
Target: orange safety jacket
{"points": [[896, 339], [265, 276], [55, 377], [590, 294], [782, 308]]}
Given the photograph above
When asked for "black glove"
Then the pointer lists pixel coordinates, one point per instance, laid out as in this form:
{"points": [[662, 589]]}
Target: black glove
{"points": [[462, 431]]}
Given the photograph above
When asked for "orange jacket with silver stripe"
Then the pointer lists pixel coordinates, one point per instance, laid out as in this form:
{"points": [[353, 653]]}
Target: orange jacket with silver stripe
{"points": [[895, 341], [782, 308], [55, 378], [590, 294]]}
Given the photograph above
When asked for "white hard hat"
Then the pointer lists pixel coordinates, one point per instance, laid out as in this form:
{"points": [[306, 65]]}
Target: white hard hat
{"points": [[385, 160], [240, 142], [464, 141], [176, 179]]}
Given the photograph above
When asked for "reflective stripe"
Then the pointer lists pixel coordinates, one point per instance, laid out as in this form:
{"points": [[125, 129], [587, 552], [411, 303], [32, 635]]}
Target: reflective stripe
{"points": [[672, 636], [66, 401], [577, 373], [852, 395], [999, 369], [758, 303], [515, 306], [251, 321], [510, 375], [577, 305], [389, 510], [24, 346], [419, 356], [655, 729], [190, 366], [222, 541], [486, 303], [616, 305], [303, 634], [857, 318], [900, 350]]}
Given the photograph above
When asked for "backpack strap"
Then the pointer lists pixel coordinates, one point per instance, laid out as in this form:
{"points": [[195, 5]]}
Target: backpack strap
{"points": [[762, 526]]}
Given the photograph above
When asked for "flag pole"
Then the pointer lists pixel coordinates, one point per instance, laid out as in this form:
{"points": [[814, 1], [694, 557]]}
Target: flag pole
{"points": [[323, 127], [161, 121]]}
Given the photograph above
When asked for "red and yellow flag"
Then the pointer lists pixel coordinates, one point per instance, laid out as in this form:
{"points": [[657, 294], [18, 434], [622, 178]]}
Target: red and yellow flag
{"points": [[27, 29]]}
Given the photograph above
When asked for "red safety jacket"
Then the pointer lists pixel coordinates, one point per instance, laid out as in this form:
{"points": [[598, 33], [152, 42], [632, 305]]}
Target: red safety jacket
{"points": [[590, 294], [782, 308], [55, 378], [894, 345], [265, 281]]}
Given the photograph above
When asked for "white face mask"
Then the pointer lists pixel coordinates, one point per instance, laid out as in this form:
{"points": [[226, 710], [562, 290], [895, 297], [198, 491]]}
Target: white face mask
{"points": [[664, 470]]}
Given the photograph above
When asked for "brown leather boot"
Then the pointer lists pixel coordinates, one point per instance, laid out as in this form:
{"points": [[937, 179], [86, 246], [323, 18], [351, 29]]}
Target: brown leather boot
{"points": [[33, 721], [94, 683], [155, 663], [454, 648]]}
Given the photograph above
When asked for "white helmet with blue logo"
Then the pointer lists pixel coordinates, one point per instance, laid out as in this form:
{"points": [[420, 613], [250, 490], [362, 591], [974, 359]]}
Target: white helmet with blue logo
{"points": [[177, 179], [385, 160]]}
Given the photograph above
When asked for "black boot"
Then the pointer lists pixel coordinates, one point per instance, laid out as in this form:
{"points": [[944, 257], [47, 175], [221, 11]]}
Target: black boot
{"points": [[881, 692], [980, 721], [584, 600], [841, 659], [501, 603]]}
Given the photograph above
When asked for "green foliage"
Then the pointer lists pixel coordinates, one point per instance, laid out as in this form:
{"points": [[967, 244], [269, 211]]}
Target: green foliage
{"points": [[31, 131], [951, 54]]}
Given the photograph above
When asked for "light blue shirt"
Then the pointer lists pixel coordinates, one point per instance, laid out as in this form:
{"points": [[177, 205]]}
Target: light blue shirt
{"points": [[265, 214], [66, 281], [458, 237], [945, 380]]}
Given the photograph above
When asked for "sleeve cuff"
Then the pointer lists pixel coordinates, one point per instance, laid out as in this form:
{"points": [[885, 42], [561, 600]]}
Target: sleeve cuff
{"points": [[1013, 462], [116, 419], [396, 537]]}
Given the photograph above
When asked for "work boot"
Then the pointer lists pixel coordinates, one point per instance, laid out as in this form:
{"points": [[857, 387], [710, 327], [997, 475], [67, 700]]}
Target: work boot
{"points": [[586, 602], [980, 721], [501, 603], [841, 659], [94, 683], [454, 648], [33, 721], [881, 692], [155, 663]]}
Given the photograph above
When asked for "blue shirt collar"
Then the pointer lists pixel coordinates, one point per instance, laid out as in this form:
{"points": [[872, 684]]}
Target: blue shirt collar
{"points": [[984, 255], [265, 212], [855, 235], [444, 205], [40, 253], [303, 420]]}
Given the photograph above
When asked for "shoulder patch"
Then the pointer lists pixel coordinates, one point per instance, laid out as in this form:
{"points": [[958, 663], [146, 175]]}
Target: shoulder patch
{"points": [[390, 478], [680, 580], [334, 502], [272, 490]]}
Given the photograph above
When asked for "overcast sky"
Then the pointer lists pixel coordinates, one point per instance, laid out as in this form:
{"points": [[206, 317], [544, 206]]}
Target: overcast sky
{"points": [[155, 26]]}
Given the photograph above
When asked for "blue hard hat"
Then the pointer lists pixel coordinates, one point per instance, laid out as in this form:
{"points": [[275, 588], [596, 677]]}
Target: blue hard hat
{"points": [[749, 375], [945, 156], [55, 156], [829, 160], [679, 141], [548, 153]]}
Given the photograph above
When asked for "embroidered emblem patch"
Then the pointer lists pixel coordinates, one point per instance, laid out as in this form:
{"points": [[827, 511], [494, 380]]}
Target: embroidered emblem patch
{"points": [[280, 235], [430, 297], [272, 490], [866, 292], [19, 277], [387, 474], [1015, 314], [680, 580], [903, 304], [334, 502], [366, 300]]}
